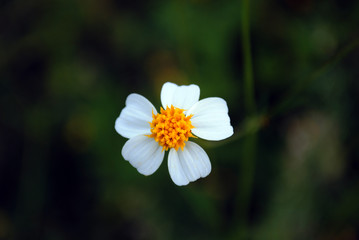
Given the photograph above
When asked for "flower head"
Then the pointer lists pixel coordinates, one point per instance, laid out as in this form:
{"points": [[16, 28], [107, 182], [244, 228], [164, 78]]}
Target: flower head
{"points": [[171, 128], [182, 117]]}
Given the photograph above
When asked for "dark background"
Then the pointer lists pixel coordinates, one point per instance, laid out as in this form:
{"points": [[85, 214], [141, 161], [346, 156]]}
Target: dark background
{"points": [[289, 172]]}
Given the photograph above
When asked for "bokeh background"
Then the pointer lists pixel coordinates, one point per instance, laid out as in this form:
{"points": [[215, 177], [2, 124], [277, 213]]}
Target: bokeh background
{"points": [[289, 172]]}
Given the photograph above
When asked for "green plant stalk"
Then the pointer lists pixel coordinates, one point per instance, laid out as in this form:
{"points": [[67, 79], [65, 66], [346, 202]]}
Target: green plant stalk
{"points": [[249, 145], [247, 59], [256, 122]]}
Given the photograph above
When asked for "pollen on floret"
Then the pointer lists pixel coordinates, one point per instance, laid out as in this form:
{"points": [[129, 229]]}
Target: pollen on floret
{"points": [[171, 128]]}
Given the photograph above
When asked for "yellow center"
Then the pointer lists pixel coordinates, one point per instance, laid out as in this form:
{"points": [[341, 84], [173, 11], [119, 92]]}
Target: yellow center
{"points": [[171, 128]]}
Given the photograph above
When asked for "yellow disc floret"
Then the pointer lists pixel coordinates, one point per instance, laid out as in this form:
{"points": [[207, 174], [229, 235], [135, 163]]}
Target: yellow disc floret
{"points": [[171, 128]]}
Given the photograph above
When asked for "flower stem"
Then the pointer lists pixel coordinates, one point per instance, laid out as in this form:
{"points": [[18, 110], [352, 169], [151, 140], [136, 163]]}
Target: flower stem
{"points": [[249, 145], [247, 59]]}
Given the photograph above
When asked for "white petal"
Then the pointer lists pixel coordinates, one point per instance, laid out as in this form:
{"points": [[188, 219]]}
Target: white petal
{"points": [[210, 119], [144, 153], [175, 169], [188, 165], [179, 96], [135, 117]]}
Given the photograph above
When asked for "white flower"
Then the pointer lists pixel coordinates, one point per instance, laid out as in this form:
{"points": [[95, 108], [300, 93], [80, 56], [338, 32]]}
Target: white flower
{"points": [[182, 117]]}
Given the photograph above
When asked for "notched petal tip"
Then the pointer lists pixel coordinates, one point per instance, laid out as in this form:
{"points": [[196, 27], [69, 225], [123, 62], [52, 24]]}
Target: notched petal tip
{"points": [[211, 119], [189, 164], [179, 96], [143, 153], [134, 117]]}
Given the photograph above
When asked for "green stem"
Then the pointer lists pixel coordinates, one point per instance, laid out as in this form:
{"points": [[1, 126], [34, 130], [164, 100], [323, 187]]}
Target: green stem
{"points": [[249, 144], [255, 123], [247, 59]]}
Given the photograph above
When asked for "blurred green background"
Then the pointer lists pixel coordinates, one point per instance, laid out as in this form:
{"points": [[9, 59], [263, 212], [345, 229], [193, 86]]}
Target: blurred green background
{"points": [[289, 172]]}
